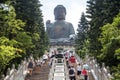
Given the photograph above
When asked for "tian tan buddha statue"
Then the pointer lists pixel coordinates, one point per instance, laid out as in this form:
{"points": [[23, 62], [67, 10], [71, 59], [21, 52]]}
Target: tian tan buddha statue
{"points": [[60, 28]]}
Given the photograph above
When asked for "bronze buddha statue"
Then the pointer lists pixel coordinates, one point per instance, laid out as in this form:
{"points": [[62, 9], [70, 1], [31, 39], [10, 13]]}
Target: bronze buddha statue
{"points": [[60, 28]]}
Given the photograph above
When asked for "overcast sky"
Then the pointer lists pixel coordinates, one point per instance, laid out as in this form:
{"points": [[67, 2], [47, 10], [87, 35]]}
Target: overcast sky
{"points": [[74, 9]]}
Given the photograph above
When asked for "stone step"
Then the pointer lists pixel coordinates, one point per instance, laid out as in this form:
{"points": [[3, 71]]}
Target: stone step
{"points": [[40, 74]]}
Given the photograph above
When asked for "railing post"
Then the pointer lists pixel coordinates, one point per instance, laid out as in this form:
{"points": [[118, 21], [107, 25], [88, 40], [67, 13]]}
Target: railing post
{"points": [[8, 71], [108, 73], [13, 73], [98, 68], [2, 77], [103, 66]]}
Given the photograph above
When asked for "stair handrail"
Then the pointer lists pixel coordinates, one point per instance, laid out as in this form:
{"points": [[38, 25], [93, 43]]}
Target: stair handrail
{"points": [[17, 74], [99, 73]]}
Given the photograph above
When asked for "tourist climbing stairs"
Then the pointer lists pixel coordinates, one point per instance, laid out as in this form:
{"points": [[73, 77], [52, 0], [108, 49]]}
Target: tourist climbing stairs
{"points": [[57, 71], [90, 76], [39, 73]]}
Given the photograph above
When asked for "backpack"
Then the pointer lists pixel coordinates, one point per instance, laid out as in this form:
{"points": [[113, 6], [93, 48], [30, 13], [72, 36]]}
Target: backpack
{"points": [[30, 65], [71, 71]]}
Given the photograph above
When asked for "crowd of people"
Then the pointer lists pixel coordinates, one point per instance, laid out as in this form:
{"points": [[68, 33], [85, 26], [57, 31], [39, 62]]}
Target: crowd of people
{"points": [[77, 70], [36, 64]]}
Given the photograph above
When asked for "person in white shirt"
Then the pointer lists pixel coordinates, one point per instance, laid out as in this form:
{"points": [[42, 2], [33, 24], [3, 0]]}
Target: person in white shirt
{"points": [[79, 69], [45, 58]]}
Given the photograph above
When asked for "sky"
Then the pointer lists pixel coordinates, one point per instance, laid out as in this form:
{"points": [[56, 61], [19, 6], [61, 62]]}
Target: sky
{"points": [[74, 9]]}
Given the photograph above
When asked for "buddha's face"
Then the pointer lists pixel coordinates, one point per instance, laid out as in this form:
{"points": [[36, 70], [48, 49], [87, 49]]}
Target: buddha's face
{"points": [[60, 13]]}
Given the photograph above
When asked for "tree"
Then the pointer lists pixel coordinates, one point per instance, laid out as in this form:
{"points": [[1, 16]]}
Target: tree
{"points": [[99, 12], [82, 34], [94, 9], [10, 29], [7, 52], [110, 40], [104, 39], [29, 11]]}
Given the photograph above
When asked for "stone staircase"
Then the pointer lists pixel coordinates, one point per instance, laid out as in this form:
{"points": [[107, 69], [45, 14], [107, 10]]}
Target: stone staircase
{"points": [[39, 73]]}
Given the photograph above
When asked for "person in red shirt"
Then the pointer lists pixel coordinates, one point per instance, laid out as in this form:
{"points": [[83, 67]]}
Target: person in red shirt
{"points": [[85, 74], [72, 60]]}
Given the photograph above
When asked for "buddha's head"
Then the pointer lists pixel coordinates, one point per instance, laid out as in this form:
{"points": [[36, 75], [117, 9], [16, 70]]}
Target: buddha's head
{"points": [[60, 12]]}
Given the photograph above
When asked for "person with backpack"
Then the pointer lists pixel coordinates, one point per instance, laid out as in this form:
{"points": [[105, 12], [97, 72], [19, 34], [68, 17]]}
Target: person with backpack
{"points": [[30, 67], [72, 73]]}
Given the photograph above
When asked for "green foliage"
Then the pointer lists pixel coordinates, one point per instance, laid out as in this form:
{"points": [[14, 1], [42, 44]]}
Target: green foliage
{"points": [[25, 41], [7, 52], [9, 25], [29, 11], [116, 74], [94, 7], [14, 41], [81, 53], [82, 36], [110, 40], [117, 53], [36, 36], [20, 38], [100, 12]]}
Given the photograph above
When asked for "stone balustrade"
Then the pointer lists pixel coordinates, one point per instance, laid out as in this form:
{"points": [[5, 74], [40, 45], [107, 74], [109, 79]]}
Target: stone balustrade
{"points": [[17, 74], [99, 73]]}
